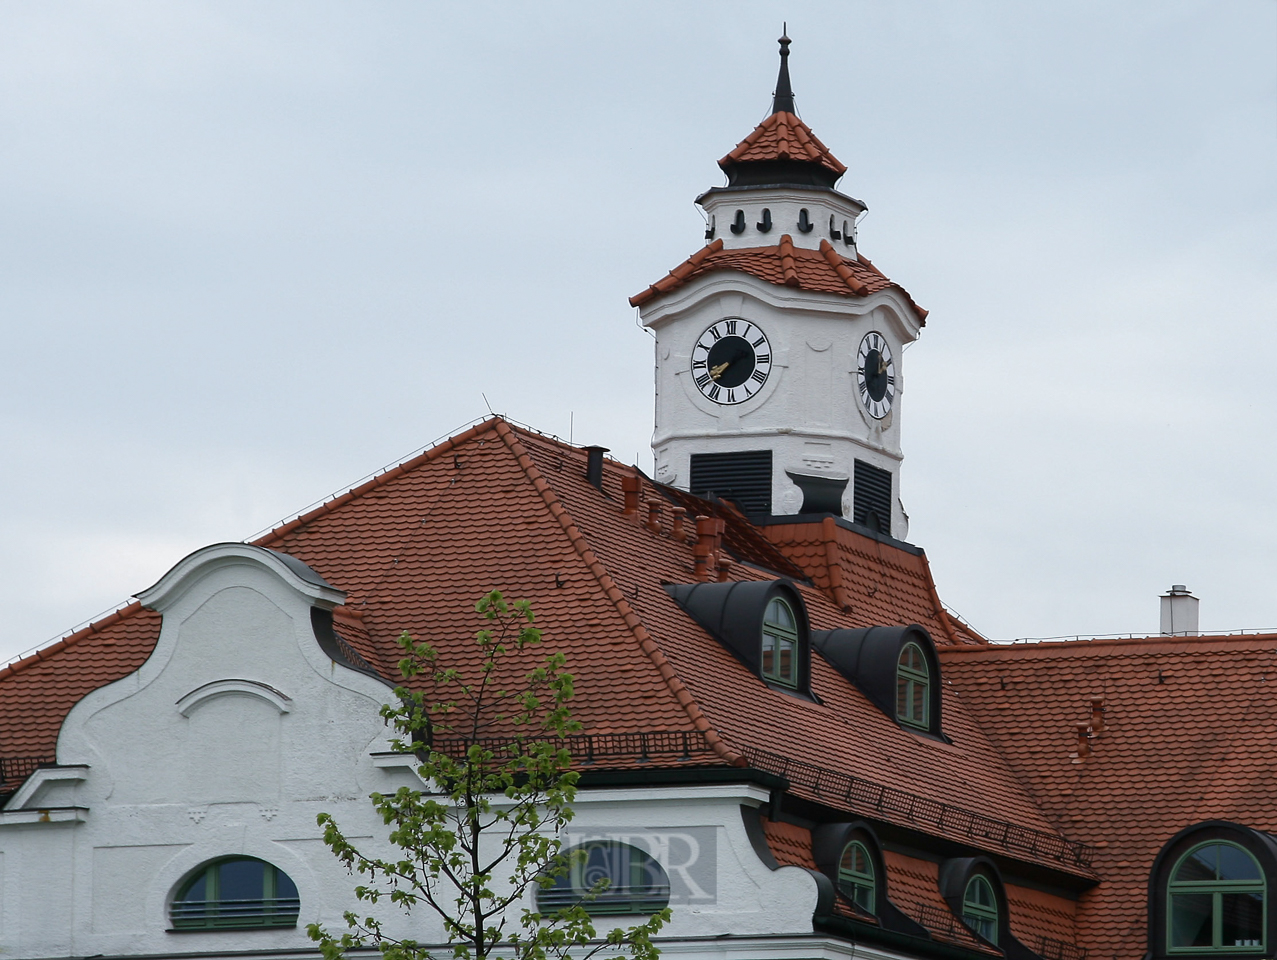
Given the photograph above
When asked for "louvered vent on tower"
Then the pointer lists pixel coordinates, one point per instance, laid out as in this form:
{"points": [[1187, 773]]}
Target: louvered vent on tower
{"points": [[745, 478], [872, 497]]}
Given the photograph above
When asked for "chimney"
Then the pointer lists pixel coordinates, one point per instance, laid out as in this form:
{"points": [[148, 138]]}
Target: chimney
{"points": [[1097, 714], [1083, 742], [594, 466], [654, 516], [631, 485], [677, 531], [1179, 612], [709, 535]]}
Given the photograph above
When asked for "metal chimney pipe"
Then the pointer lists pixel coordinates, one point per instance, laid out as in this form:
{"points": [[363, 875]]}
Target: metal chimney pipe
{"points": [[594, 466]]}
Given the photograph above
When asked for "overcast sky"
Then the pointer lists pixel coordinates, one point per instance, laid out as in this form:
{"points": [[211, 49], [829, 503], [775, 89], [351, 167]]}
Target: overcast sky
{"points": [[250, 253]]}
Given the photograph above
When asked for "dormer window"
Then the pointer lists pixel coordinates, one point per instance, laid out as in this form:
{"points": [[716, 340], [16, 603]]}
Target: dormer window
{"points": [[1208, 895], [980, 908], [780, 644], [856, 879], [895, 667], [1216, 899], [763, 623], [913, 682]]}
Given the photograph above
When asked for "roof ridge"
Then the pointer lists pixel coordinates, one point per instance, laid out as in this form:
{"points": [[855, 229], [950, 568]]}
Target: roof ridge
{"points": [[438, 450], [632, 620], [833, 258], [41, 654], [1085, 643], [787, 268]]}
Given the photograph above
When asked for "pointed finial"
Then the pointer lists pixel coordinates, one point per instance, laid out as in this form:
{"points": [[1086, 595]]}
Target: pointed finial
{"points": [[783, 98]]}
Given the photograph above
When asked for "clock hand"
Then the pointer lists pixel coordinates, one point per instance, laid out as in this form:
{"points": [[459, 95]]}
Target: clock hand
{"points": [[716, 372]]}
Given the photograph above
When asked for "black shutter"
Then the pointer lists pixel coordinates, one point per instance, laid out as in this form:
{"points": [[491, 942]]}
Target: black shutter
{"points": [[872, 497], [745, 478]]}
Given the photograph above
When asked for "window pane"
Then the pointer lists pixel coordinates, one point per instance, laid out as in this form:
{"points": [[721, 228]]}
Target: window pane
{"points": [[769, 655], [1200, 865], [855, 861], [984, 926], [285, 889], [902, 697], [1236, 864], [918, 708], [241, 880], [786, 671], [198, 889], [1191, 919], [1243, 919], [778, 612]]}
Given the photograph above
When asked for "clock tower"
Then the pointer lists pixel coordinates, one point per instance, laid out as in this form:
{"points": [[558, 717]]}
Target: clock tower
{"points": [[779, 376]]}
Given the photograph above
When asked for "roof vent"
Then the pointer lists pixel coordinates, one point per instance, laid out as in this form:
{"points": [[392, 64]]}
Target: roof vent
{"points": [[1179, 612], [594, 466]]}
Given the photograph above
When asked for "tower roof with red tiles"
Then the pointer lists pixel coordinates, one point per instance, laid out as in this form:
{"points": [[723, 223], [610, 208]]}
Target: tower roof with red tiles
{"points": [[782, 137]]}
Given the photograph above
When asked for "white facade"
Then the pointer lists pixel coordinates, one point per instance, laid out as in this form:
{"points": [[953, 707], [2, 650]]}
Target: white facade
{"points": [[232, 737]]}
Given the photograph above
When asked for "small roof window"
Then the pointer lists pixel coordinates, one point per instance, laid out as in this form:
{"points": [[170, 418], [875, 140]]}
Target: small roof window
{"points": [[780, 644]]}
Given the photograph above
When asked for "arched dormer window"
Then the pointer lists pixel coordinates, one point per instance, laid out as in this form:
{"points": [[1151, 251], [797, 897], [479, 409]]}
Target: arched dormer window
{"points": [[973, 889], [762, 623], [1216, 898], [780, 643], [635, 883], [856, 876], [235, 893], [1208, 894], [895, 667], [980, 908], [913, 687]]}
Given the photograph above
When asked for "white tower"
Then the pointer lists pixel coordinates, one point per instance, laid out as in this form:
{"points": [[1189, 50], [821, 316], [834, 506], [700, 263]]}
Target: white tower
{"points": [[778, 346]]}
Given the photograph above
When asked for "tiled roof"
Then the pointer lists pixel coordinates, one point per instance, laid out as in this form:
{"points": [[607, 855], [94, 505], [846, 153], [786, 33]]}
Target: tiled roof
{"points": [[499, 507], [874, 582], [783, 136], [36, 693], [822, 271], [1188, 731]]}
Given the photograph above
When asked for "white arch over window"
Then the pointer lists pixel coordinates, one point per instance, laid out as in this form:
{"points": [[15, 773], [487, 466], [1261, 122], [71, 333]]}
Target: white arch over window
{"points": [[233, 688]]}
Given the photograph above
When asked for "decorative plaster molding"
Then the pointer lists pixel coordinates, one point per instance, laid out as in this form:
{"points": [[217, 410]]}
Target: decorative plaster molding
{"points": [[45, 775], [196, 566], [227, 688]]}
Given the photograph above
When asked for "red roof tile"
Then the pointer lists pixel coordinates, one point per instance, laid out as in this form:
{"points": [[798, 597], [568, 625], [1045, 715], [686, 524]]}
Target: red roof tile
{"points": [[498, 507], [821, 271], [1188, 721], [783, 136]]}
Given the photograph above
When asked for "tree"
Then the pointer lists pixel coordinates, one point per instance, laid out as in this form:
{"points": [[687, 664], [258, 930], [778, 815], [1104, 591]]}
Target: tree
{"points": [[497, 756]]}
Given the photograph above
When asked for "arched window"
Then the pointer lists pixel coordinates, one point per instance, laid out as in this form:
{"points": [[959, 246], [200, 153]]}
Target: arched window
{"points": [[635, 882], [1215, 900], [780, 644], [913, 682], [980, 908], [856, 876], [235, 893]]}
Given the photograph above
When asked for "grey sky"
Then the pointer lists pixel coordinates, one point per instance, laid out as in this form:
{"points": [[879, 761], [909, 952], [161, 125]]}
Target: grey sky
{"points": [[252, 252]]}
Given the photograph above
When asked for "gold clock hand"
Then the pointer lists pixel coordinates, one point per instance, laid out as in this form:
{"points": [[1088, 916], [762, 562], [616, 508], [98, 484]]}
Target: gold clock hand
{"points": [[716, 372]]}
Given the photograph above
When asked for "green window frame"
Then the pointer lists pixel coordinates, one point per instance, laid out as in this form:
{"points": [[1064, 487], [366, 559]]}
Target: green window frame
{"points": [[236, 893], [636, 882], [1215, 901], [913, 688], [980, 908], [780, 644], [856, 878]]}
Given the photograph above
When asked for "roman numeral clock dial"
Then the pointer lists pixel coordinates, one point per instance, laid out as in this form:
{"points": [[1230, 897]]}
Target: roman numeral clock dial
{"points": [[875, 374], [731, 361]]}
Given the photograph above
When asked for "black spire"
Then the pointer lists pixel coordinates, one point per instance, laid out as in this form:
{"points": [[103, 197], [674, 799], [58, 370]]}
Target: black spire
{"points": [[783, 98]]}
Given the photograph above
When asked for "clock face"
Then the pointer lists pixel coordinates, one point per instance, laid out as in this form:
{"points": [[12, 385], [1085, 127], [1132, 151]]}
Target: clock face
{"points": [[876, 374], [731, 361]]}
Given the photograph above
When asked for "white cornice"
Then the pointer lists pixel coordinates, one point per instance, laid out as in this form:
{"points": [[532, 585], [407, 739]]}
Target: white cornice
{"points": [[44, 775], [227, 688], [194, 567]]}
